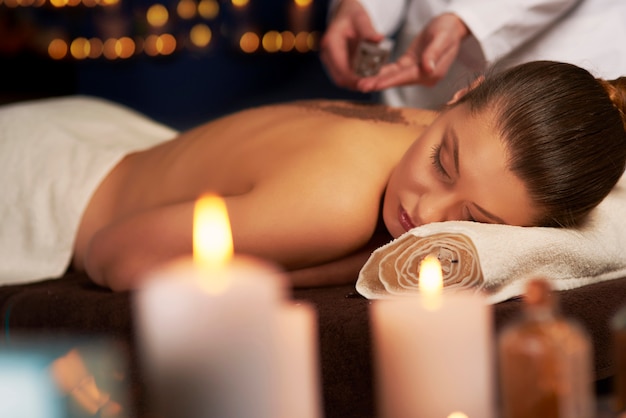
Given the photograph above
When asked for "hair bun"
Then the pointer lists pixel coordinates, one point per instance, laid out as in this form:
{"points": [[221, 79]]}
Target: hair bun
{"points": [[616, 89]]}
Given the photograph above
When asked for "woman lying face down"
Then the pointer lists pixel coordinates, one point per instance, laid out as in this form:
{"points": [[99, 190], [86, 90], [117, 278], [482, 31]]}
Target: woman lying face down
{"points": [[537, 145]]}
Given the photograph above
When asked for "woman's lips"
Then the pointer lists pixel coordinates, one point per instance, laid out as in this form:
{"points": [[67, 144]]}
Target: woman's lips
{"points": [[405, 220]]}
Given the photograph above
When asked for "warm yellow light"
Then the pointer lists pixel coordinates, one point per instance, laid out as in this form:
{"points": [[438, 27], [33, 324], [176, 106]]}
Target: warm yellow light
{"points": [[150, 45], [80, 48], [249, 42], [312, 41], [272, 41], [239, 3], [157, 15], [110, 49], [166, 44], [212, 236], [125, 47], [57, 49], [208, 9], [430, 282], [289, 40], [457, 415], [301, 42], [303, 3], [200, 35], [186, 9], [58, 3], [96, 46]]}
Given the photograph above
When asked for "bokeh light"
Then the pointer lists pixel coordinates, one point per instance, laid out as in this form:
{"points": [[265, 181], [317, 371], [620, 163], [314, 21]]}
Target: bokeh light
{"points": [[157, 15], [80, 48], [302, 42], [164, 44], [110, 49], [186, 9], [288, 41], [249, 42], [272, 41], [116, 36], [208, 9], [312, 41], [57, 49], [200, 35], [96, 47], [58, 3], [125, 47], [118, 48]]}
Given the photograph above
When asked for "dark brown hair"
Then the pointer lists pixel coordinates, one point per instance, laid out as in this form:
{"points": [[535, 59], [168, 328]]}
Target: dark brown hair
{"points": [[564, 130]]}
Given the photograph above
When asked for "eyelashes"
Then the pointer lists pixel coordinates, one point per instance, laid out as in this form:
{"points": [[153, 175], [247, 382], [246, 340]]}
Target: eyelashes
{"points": [[435, 157], [436, 160]]}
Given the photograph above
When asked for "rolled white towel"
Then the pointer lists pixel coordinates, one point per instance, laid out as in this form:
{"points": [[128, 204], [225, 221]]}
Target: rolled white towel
{"points": [[499, 259]]}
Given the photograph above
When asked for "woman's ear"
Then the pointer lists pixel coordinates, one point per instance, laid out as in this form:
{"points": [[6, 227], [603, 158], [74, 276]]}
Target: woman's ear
{"points": [[462, 92]]}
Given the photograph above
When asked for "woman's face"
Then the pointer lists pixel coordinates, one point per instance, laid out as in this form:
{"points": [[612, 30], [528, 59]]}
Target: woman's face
{"points": [[456, 171]]}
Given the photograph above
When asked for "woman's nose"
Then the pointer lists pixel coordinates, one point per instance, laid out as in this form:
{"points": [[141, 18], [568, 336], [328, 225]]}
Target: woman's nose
{"points": [[434, 207]]}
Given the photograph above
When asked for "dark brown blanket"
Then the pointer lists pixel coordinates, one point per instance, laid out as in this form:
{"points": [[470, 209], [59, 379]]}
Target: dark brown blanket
{"points": [[72, 305]]}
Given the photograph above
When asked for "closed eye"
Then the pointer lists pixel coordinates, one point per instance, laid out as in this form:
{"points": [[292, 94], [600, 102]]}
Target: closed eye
{"points": [[435, 157]]}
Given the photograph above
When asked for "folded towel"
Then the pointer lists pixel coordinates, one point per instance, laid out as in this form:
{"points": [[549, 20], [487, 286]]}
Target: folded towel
{"points": [[499, 259], [53, 154]]}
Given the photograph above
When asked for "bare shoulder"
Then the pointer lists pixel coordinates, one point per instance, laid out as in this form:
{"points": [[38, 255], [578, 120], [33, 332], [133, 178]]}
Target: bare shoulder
{"points": [[321, 198]]}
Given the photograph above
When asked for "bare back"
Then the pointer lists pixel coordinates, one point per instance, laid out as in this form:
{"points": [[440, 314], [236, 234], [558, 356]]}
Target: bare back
{"points": [[302, 181]]}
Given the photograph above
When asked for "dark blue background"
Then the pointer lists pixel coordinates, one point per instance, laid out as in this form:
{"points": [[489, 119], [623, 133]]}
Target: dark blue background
{"points": [[181, 90]]}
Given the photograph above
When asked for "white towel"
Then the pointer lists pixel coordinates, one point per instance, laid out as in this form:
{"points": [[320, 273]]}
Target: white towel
{"points": [[499, 259], [53, 154]]}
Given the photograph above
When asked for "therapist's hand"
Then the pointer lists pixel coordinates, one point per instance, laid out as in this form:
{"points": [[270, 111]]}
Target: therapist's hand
{"points": [[427, 59], [349, 25]]}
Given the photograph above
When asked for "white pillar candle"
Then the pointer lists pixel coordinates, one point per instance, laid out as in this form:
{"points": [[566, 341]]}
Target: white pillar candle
{"points": [[433, 355], [212, 337], [299, 368], [206, 354]]}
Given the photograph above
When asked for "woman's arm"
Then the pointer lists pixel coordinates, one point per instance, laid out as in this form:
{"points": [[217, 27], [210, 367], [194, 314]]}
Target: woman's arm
{"points": [[121, 254], [292, 231]]}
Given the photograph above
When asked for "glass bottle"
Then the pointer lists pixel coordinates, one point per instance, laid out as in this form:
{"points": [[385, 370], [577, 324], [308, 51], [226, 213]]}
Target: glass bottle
{"points": [[545, 361]]}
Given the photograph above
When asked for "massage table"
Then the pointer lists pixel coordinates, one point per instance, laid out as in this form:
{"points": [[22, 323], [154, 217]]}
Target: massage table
{"points": [[72, 306]]}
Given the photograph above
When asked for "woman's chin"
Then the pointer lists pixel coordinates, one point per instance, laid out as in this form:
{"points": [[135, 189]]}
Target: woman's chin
{"points": [[394, 229]]}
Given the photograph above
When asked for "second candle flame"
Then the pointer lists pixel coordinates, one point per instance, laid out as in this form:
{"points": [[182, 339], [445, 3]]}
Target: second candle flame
{"points": [[431, 282]]}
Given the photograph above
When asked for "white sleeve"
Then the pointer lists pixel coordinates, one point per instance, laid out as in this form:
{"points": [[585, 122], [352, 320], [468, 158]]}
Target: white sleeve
{"points": [[501, 26], [386, 15]]}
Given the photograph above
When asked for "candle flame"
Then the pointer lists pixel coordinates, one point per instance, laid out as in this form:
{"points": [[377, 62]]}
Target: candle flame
{"points": [[212, 236], [431, 282], [457, 415]]}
